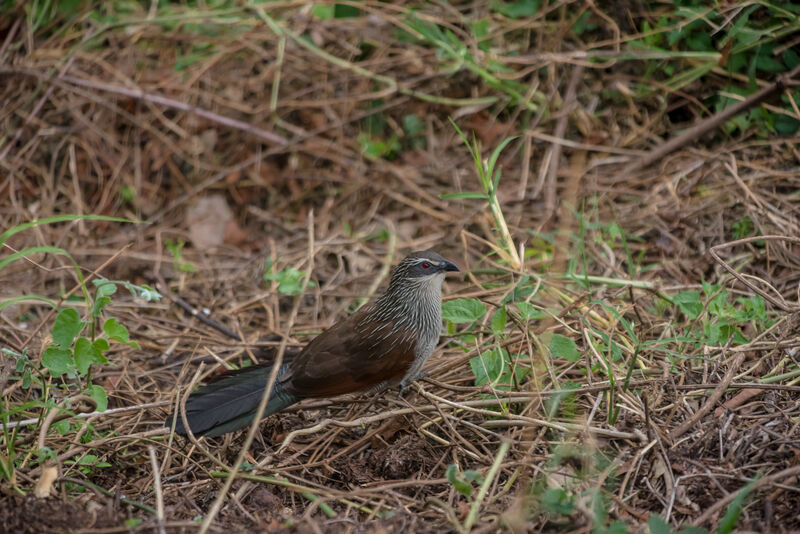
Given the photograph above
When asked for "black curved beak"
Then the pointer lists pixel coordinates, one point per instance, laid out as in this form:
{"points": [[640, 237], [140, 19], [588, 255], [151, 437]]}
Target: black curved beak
{"points": [[449, 266]]}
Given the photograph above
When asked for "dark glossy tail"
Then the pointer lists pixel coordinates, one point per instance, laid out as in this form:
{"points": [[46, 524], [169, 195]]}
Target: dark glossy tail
{"points": [[230, 402]]}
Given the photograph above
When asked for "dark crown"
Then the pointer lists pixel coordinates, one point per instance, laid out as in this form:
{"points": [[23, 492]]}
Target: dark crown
{"points": [[419, 264]]}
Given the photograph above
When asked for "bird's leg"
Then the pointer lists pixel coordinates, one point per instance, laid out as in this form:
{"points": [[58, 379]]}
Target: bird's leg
{"points": [[406, 382]]}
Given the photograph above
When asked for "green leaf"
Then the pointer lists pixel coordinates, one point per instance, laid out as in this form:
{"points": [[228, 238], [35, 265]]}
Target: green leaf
{"points": [[290, 280], [87, 459], [56, 360], [689, 303], [482, 196], [529, 311], [582, 24], [88, 353], [322, 11], [345, 11], [486, 367], [465, 310], [114, 330], [105, 288], [515, 10], [656, 525], [734, 510], [495, 155], [99, 395], [617, 527], [62, 427], [470, 475], [523, 289], [6, 303], [786, 125], [26, 379], [563, 347], [768, 63], [246, 467], [791, 58], [557, 502], [480, 29], [499, 320], [413, 125], [99, 305], [461, 486], [67, 325]]}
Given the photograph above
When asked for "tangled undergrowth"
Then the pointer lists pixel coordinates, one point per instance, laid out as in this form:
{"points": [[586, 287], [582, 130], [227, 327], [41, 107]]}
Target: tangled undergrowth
{"points": [[620, 354]]}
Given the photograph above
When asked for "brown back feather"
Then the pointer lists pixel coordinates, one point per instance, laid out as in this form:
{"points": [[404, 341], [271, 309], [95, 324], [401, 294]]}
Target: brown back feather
{"points": [[353, 355]]}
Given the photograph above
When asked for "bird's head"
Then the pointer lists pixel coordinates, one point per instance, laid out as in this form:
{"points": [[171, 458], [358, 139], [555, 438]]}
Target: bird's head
{"points": [[423, 269]]}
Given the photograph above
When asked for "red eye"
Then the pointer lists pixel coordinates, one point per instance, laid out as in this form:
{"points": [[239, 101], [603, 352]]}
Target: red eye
{"points": [[425, 265]]}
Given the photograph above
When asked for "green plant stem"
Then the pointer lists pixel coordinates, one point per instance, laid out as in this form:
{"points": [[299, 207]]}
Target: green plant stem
{"points": [[780, 377], [476, 504], [639, 284], [391, 83]]}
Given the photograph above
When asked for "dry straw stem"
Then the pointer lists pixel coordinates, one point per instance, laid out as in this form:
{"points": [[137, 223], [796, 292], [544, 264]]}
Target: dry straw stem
{"points": [[251, 433], [83, 147], [391, 83], [713, 122], [158, 491], [773, 297]]}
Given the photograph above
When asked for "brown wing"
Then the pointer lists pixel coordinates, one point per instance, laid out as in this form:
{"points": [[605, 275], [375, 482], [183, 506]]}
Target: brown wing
{"points": [[353, 355]]}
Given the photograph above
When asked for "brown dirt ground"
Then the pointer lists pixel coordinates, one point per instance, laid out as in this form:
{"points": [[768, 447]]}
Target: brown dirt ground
{"points": [[88, 149]]}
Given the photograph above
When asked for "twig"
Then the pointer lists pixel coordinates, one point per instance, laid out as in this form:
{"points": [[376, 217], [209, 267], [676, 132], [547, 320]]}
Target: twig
{"points": [[157, 486], [385, 268], [10, 36], [469, 406], [775, 302], [55, 415], [36, 108], [202, 317], [84, 415], [251, 433], [558, 133], [264, 135], [101, 490], [711, 122], [775, 477], [712, 399]]}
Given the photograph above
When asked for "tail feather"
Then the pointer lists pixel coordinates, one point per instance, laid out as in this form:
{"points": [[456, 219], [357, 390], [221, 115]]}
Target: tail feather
{"points": [[230, 402]]}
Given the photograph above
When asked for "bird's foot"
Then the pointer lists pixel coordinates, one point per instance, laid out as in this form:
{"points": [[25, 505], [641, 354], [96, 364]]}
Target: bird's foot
{"points": [[408, 381]]}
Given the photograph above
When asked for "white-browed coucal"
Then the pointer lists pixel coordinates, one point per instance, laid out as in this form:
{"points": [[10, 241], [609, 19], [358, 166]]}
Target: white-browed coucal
{"points": [[383, 344]]}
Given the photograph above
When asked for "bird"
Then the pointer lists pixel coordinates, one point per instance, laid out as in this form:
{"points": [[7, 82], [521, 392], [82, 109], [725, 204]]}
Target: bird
{"points": [[384, 344]]}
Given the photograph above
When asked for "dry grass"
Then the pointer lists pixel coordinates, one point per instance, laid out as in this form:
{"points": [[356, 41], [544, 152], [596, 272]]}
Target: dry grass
{"points": [[108, 126]]}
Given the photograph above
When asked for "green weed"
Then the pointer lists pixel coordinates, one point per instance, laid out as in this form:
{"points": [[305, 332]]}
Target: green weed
{"points": [[176, 249], [489, 177], [746, 43], [289, 280], [77, 344], [463, 482]]}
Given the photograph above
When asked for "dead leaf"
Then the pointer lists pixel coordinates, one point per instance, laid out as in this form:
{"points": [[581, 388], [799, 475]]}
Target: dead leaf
{"points": [[234, 235], [207, 220], [487, 128]]}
